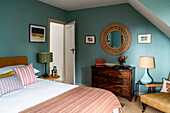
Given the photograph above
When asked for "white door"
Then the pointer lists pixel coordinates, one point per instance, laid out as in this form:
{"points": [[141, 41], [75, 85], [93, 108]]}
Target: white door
{"points": [[70, 53]]}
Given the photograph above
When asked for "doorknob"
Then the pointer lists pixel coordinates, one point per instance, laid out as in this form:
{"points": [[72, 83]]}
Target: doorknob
{"points": [[73, 50]]}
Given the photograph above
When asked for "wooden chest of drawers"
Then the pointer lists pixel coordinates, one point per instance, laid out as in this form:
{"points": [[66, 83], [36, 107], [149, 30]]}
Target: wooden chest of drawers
{"points": [[118, 81]]}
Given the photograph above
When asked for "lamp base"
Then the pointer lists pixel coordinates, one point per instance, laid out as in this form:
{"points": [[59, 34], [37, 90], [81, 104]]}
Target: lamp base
{"points": [[46, 75], [146, 79]]}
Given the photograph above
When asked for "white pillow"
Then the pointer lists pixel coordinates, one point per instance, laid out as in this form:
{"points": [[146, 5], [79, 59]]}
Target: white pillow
{"points": [[10, 68], [165, 87], [36, 70]]}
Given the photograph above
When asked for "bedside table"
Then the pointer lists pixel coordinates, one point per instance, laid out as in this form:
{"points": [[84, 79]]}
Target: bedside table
{"points": [[137, 88], [50, 77]]}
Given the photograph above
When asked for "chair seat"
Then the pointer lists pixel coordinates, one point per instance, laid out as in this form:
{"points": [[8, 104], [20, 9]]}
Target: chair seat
{"points": [[159, 100]]}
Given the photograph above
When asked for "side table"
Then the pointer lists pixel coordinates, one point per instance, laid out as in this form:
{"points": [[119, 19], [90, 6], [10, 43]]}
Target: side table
{"points": [[50, 77], [137, 88]]}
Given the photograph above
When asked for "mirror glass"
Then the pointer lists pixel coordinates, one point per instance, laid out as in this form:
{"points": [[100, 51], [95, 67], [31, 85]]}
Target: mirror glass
{"points": [[115, 39]]}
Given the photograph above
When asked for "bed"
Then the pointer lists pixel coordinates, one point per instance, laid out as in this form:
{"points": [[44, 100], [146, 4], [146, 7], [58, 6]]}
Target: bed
{"points": [[38, 97]]}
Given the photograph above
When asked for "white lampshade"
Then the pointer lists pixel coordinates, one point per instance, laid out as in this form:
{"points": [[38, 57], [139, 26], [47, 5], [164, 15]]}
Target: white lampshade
{"points": [[146, 62]]}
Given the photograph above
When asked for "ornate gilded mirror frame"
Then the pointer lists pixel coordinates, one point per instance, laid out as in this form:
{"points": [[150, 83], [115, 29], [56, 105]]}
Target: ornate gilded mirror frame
{"points": [[126, 35]]}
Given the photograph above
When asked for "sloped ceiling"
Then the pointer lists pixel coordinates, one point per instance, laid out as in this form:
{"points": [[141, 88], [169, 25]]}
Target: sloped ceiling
{"points": [[151, 16], [70, 5], [161, 8]]}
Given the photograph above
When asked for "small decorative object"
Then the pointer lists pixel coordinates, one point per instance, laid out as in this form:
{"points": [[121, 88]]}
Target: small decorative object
{"points": [[125, 66], [54, 68], [144, 38], [54, 73], [45, 57], [100, 62], [122, 60], [146, 62], [90, 39], [37, 33], [110, 64]]}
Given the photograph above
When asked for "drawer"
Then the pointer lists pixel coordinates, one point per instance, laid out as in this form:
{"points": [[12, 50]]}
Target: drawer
{"points": [[118, 81], [99, 85], [113, 74], [105, 72], [100, 79], [113, 80], [119, 74], [118, 90]]}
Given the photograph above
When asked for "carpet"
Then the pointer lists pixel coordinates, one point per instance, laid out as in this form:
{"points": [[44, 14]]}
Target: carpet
{"points": [[135, 107]]}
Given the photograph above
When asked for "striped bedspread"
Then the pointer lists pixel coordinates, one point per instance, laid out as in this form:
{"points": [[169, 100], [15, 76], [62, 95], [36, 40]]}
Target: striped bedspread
{"points": [[78, 100]]}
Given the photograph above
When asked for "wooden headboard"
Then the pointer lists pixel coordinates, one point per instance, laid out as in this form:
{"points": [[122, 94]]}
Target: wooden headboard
{"points": [[10, 61]]}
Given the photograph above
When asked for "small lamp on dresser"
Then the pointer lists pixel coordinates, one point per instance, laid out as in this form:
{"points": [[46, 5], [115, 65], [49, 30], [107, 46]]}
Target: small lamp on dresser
{"points": [[45, 57], [146, 62]]}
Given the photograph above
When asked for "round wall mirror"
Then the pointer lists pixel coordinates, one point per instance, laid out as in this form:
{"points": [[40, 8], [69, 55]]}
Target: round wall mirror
{"points": [[115, 39]]}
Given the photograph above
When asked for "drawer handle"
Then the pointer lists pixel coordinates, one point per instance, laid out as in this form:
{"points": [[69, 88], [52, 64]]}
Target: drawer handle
{"points": [[118, 90], [119, 73], [118, 81]]}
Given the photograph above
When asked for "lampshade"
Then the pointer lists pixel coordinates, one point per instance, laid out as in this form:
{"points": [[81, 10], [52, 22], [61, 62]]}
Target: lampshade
{"points": [[45, 57], [146, 62]]}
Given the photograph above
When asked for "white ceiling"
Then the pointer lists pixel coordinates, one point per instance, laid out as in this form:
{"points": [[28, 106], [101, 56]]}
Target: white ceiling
{"points": [[81, 4]]}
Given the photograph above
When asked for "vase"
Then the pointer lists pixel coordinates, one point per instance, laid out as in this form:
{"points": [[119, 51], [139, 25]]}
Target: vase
{"points": [[121, 65]]}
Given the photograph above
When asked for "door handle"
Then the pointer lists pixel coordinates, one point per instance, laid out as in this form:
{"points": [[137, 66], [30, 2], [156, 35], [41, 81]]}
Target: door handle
{"points": [[72, 50]]}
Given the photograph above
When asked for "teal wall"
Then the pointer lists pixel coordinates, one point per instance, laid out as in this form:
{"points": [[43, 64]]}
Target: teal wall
{"points": [[15, 17], [160, 8], [92, 21]]}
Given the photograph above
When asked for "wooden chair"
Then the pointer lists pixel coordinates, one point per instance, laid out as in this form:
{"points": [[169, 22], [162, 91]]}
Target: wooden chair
{"points": [[158, 100]]}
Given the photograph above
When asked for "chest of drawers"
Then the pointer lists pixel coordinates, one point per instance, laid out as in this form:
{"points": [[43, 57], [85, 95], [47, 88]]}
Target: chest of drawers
{"points": [[118, 81]]}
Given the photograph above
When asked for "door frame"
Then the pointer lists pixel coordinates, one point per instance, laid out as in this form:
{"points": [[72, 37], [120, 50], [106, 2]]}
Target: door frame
{"points": [[58, 22]]}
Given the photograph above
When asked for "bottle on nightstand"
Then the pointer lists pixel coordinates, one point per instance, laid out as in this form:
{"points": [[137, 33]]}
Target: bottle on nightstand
{"points": [[54, 71]]}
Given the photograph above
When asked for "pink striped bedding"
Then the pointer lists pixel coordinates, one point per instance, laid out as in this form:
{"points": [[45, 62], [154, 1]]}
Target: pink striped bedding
{"points": [[78, 100]]}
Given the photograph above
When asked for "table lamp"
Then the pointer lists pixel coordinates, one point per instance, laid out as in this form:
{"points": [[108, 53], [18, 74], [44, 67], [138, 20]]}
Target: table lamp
{"points": [[45, 57], [146, 62]]}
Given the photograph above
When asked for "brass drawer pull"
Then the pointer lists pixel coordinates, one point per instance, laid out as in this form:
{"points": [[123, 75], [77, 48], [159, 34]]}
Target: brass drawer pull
{"points": [[118, 81], [119, 90], [119, 73]]}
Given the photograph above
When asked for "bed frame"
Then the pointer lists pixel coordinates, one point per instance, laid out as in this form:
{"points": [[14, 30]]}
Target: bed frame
{"points": [[10, 61]]}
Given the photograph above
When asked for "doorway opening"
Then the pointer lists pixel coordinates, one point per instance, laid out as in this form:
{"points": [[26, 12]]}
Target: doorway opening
{"points": [[62, 45]]}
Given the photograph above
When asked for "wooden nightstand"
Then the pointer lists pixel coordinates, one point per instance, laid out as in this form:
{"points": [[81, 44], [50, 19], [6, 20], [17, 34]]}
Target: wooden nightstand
{"points": [[50, 77], [137, 93]]}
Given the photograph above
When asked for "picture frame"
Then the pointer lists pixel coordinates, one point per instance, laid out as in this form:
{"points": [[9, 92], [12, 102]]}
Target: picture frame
{"points": [[144, 38], [90, 39], [37, 33]]}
